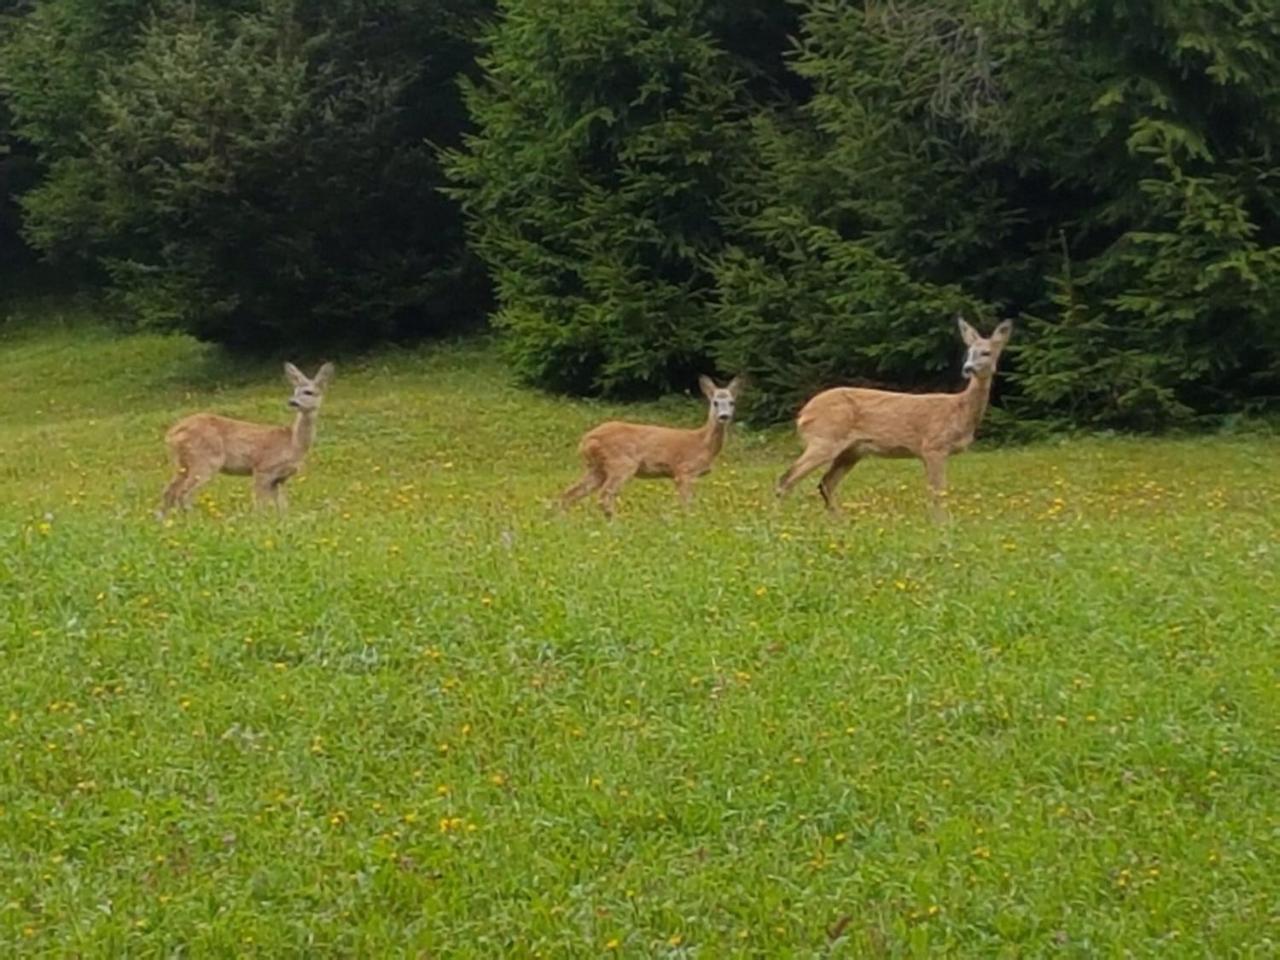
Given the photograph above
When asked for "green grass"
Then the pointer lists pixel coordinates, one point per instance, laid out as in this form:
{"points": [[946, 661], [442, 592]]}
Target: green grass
{"points": [[426, 716]]}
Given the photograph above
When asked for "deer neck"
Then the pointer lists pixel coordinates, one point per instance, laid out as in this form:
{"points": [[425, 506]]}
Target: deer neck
{"points": [[713, 435], [973, 403], [303, 432]]}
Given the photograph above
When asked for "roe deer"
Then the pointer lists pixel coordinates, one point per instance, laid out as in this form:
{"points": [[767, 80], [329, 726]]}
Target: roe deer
{"points": [[205, 444], [842, 425], [616, 451]]}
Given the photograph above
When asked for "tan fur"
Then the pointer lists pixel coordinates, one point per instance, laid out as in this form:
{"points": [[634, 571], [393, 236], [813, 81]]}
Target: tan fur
{"points": [[843, 425], [205, 444], [616, 451]]}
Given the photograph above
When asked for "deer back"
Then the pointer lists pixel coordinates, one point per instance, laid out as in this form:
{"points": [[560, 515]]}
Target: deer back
{"points": [[237, 446], [656, 451], [879, 422]]}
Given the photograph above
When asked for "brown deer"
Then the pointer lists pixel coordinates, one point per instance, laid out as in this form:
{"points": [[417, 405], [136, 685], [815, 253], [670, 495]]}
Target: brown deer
{"points": [[205, 444], [616, 451], [845, 424]]}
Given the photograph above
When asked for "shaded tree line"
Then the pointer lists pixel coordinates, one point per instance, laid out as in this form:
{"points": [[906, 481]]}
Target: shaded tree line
{"points": [[254, 172], [634, 191]]}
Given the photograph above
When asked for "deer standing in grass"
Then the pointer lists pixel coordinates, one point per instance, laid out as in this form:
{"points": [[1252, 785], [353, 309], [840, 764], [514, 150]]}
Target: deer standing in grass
{"points": [[843, 425], [616, 451], [205, 444]]}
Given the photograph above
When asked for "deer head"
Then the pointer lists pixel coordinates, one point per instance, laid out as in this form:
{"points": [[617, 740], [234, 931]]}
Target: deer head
{"points": [[307, 392], [983, 354], [722, 398]]}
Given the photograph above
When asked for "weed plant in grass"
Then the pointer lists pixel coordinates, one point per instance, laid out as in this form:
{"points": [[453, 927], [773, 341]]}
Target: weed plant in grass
{"points": [[426, 714]]}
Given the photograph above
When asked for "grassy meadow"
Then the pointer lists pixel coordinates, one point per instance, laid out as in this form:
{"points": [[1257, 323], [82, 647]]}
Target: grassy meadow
{"points": [[425, 715]]}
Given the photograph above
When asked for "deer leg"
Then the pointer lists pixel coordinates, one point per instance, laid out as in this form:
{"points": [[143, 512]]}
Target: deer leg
{"points": [[195, 463], [264, 488], [684, 488], [614, 483], [935, 471], [194, 481], [281, 498], [173, 492], [835, 473], [593, 478], [806, 463]]}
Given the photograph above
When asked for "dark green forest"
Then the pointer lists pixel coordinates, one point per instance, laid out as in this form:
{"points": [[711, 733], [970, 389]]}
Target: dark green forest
{"points": [[632, 192]]}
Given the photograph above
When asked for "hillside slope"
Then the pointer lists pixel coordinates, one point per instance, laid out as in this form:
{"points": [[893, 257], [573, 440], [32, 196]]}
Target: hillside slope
{"points": [[424, 714]]}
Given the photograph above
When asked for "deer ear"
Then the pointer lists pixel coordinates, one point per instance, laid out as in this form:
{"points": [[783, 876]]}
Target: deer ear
{"points": [[295, 375], [707, 386], [969, 335], [1003, 332], [323, 376], [735, 385]]}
